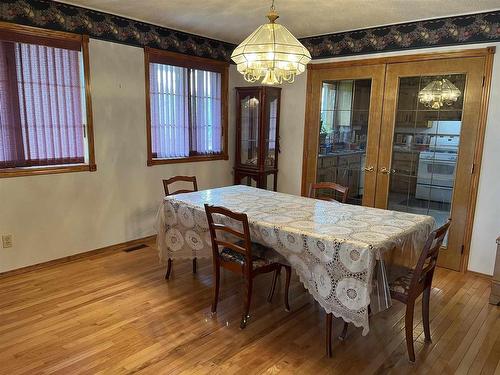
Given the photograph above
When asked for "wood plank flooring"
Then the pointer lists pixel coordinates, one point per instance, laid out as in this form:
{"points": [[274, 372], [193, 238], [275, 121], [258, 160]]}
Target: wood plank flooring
{"points": [[115, 314]]}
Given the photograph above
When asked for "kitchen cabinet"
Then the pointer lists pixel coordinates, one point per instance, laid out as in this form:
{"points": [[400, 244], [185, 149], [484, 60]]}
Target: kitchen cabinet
{"points": [[404, 176], [344, 168]]}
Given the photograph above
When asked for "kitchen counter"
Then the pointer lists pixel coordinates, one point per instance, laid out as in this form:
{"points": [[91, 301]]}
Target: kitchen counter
{"points": [[342, 153]]}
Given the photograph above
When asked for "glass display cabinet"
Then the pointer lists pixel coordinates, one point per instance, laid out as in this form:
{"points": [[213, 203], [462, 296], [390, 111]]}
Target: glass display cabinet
{"points": [[257, 136]]}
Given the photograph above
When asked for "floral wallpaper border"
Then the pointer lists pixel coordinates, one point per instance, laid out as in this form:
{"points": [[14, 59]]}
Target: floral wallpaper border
{"points": [[99, 25], [467, 29]]}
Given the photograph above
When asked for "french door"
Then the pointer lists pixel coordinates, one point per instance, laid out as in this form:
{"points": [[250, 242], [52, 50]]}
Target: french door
{"points": [[426, 153], [384, 131], [345, 112]]}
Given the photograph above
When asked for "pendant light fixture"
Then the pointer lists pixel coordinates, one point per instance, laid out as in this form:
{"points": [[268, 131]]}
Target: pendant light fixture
{"points": [[439, 92], [272, 53]]}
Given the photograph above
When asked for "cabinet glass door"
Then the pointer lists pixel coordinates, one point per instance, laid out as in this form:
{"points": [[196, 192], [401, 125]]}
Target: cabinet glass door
{"points": [[427, 143], [271, 136], [250, 115]]}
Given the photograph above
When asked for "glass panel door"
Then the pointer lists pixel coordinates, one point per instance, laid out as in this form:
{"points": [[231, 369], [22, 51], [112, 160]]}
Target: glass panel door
{"points": [[344, 116], [427, 143], [345, 105], [425, 147]]}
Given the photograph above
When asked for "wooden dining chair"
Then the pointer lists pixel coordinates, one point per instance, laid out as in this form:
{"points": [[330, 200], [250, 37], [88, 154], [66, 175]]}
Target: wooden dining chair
{"points": [[408, 287], [242, 256], [343, 191], [413, 283], [175, 179], [166, 184]]}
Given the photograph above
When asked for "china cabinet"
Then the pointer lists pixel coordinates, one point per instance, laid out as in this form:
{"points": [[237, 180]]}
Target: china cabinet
{"points": [[257, 136]]}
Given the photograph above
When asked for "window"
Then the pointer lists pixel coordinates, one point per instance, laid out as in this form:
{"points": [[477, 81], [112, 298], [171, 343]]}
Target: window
{"points": [[44, 119], [187, 112]]}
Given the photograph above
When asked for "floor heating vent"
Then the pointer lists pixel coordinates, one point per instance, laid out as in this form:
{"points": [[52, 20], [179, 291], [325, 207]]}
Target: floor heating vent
{"points": [[134, 248]]}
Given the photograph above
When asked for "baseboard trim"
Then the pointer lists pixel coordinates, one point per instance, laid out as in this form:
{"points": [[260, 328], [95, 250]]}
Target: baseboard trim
{"points": [[483, 275], [71, 258]]}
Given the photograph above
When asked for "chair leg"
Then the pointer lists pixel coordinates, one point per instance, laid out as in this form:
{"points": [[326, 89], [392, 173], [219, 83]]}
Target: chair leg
{"points": [[194, 265], [343, 335], [329, 318], [425, 313], [273, 285], [288, 270], [169, 269], [216, 280], [409, 330], [248, 300], [344, 332]]}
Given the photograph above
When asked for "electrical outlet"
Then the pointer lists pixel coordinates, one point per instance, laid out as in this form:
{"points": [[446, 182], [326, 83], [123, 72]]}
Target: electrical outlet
{"points": [[7, 241]]}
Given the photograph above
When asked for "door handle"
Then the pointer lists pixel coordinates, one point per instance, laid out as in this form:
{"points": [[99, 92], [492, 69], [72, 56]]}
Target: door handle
{"points": [[369, 168], [384, 170]]}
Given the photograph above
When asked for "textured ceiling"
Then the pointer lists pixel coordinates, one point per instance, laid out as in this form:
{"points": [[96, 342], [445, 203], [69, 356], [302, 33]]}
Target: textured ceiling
{"points": [[233, 20]]}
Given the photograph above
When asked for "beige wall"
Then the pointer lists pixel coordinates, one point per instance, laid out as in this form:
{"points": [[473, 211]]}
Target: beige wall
{"points": [[54, 216], [59, 215], [487, 218], [292, 111]]}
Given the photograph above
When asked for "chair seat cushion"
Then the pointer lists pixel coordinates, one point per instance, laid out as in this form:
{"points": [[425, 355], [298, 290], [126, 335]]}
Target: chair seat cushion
{"points": [[261, 256], [402, 283]]}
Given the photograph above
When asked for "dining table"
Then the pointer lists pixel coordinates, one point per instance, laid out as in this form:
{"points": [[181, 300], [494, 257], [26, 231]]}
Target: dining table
{"points": [[342, 253]]}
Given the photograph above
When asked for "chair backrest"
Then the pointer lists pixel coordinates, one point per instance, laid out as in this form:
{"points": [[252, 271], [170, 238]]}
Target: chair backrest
{"points": [[424, 271], [217, 231], [175, 179], [336, 188]]}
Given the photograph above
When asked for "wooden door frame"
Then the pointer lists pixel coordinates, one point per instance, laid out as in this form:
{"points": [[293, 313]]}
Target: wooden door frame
{"points": [[376, 74], [488, 53]]}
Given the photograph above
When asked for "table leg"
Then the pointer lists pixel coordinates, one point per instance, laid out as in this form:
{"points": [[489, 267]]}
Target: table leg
{"points": [[169, 269], [329, 318]]}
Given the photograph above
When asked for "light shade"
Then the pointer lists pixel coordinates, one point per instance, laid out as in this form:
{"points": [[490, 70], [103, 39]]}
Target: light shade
{"points": [[271, 52], [439, 92]]}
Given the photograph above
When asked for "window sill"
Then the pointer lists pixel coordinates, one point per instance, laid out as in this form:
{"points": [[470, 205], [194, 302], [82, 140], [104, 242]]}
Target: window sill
{"points": [[189, 159], [35, 171]]}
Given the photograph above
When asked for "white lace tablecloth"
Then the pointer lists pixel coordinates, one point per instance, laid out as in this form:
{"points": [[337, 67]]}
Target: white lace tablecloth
{"points": [[333, 247]]}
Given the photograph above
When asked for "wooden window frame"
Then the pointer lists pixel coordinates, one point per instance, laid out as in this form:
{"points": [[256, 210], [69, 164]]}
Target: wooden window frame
{"points": [[152, 55], [58, 39]]}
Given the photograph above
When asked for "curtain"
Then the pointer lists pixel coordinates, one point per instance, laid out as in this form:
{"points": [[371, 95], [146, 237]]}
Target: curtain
{"points": [[344, 103], [42, 119], [169, 111], [11, 138], [206, 134]]}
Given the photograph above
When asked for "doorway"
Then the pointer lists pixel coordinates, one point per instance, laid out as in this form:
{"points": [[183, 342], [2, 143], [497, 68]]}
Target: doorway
{"points": [[406, 137]]}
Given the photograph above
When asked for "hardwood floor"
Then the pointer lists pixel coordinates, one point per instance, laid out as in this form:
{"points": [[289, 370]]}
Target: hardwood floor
{"points": [[115, 314]]}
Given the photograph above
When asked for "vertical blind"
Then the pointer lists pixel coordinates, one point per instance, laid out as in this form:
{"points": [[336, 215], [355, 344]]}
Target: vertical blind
{"points": [[185, 112], [41, 106], [206, 112], [169, 111]]}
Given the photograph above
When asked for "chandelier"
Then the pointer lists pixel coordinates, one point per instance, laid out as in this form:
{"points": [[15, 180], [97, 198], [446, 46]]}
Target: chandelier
{"points": [[271, 52], [439, 92]]}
